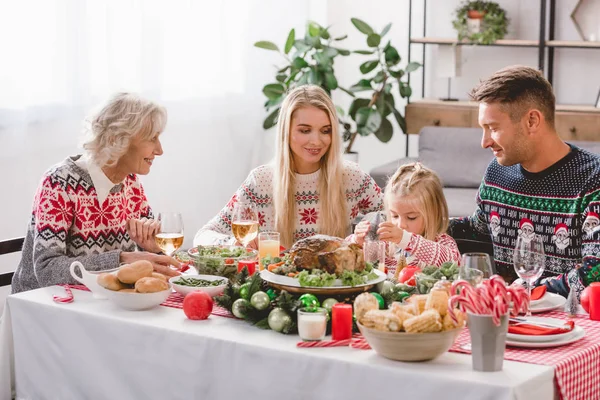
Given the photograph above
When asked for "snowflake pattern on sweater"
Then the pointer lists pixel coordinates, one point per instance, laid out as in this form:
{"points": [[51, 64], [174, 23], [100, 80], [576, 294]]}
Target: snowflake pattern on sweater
{"points": [[362, 196], [561, 203], [68, 224]]}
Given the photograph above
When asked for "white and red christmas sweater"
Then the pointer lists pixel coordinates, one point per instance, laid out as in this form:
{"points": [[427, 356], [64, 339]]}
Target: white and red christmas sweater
{"points": [[362, 196], [69, 223]]}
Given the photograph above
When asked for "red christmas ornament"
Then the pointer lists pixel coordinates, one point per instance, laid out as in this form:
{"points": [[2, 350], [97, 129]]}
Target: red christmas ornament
{"points": [[197, 305], [585, 299]]}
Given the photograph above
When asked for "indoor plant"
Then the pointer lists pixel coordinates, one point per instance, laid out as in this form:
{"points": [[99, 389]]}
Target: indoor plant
{"points": [[492, 22], [312, 61]]}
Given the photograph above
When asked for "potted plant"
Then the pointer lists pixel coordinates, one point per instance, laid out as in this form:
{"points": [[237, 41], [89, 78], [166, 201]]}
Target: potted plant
{"points": [[481, 22], [311, 60]]}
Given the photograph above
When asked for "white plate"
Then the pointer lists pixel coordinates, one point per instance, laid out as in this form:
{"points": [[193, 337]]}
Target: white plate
{"points": [[293, 282], [541, 338], [550, 301], [212, 291], [577, 334]]}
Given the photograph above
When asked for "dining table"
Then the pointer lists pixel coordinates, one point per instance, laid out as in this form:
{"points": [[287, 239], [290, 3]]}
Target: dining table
{"points": [[89, 348]]}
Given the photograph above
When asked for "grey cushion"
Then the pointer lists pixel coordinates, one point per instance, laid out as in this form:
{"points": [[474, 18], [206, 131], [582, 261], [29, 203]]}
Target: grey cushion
{"points": [[383, 172], [461, 201], [593, 147], [455, 154]]}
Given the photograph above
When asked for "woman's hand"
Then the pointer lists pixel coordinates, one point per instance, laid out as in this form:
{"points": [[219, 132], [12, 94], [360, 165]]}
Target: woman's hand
{"points": [[162, 264], [142, 232], [360, 232], [252, 245], [389, 232]]}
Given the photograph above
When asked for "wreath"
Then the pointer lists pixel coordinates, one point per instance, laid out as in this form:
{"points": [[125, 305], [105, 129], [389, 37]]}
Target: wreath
{"points": [[494, 22]]}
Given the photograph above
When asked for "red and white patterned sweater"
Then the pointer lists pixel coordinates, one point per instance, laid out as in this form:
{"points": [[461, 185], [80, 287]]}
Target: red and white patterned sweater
{"points": [[362, 196], [68, 224]]}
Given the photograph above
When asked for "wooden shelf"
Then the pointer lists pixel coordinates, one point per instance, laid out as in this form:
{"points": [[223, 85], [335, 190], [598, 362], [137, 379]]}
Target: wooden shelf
{"points": [[573, 44], [474, 104], [452, 41]]}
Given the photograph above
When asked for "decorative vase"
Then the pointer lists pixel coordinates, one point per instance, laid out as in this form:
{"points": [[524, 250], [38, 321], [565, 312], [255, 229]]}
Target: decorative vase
{"points": [[475, 21], [487, 342], [352, 156]]}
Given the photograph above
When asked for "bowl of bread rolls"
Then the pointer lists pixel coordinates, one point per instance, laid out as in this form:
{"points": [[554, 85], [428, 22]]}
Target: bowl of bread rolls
{"points": [[135, 286], [419, 329]]}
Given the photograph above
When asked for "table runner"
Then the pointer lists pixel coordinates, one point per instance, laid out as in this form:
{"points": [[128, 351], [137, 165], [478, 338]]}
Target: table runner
{"points": [[577, 365]]}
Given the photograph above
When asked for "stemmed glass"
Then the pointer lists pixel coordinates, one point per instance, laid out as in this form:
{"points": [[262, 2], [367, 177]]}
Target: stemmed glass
{"points": [[244, 223], [475, 267], [170, 237], [529, 261]]}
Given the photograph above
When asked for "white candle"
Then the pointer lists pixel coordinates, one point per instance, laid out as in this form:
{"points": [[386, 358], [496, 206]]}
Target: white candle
{"points": [[312, 325]]}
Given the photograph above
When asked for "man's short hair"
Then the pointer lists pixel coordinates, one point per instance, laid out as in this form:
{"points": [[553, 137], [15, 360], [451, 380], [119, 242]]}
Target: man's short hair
{"points": [[518, 89]]}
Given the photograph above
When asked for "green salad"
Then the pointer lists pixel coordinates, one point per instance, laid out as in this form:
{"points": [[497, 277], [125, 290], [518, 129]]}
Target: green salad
{"points": [[222, 252]]}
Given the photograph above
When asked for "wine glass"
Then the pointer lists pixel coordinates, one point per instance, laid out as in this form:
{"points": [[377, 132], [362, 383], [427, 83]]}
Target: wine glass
{"points": [[529, 261], [475, 267], [170, 237], [244, 223]]}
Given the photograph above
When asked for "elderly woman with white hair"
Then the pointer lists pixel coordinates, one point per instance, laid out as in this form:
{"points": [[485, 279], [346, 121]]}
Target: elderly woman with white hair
{"points": [[92, 207]]}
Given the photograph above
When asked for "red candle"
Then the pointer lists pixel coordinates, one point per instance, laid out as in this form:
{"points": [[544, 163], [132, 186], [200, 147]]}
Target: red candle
{"points": [[250, 264], [595, 301], [341, 321]]}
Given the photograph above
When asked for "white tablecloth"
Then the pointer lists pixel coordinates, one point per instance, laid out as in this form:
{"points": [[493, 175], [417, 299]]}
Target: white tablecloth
{"points": [[92, 349]]}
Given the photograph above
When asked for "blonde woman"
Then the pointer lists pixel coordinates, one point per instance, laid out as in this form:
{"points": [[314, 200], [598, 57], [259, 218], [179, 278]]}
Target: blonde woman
{"points": [[92, 207], [417, 217], [308, 189]]}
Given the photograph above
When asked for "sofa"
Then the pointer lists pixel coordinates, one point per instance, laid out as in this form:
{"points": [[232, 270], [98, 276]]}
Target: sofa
{"points": [[456, 155]]}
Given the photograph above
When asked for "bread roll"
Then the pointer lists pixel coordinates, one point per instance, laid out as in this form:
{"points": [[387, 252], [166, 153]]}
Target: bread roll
{"points": [[151, 285], [110, 282], [130, 273], [160, 276]]}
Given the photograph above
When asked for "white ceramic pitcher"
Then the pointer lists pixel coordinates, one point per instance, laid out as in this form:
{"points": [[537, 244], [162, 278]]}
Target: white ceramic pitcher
{"points": [[88, 278]]}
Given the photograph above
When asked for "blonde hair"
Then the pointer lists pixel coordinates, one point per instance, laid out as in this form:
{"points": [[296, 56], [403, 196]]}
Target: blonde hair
{"points": [[422, 187], [126, 115], [331, 186]]}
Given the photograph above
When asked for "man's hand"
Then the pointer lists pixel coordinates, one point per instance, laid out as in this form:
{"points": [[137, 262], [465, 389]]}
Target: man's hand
{"points": [[162, 264], [389, 232], [142, 232]]}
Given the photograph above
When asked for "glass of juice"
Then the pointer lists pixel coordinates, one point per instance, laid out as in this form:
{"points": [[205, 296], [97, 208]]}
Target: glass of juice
{"points": [[268, 245]]}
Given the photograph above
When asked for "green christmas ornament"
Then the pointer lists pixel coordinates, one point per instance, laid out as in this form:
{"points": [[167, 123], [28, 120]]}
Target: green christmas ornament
{"points": [[387, 288], [279, 320], [244, 290], [328, 303], [260, 300], [309, 300], [379, 300], [271, 293], [239, 308]]}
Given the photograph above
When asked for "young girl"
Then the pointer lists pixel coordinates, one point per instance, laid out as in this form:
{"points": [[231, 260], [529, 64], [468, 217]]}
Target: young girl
{"points": [[417, 217]]}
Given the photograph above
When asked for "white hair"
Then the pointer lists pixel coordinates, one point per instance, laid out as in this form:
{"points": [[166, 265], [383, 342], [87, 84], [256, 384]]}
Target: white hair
{"points": [[126, 115]]}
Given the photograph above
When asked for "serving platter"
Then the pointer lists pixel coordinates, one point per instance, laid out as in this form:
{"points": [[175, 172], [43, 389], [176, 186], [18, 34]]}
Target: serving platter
{"points": [[292, 285]]}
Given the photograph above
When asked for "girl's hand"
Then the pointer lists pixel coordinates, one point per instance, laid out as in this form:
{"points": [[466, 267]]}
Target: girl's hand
{"points": [[389, 232], [360, 232], [142, 232]]}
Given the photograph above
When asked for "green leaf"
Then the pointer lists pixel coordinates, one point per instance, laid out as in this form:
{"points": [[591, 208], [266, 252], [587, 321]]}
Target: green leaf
{"points": [[263, 44], [284, 69], [321, 58], [356, 105], [364, 51], [330, 81], [370, 124], [281, 77], [340, 111], [397, 74], [271, 120], [361, 116], [400, 119], [289, 43], [413, 66], [363, 84], [404, 89], [388, 89], [315, 76], [273, 90], [303, 80], [343, 52], [346, 91], [341, 37], [391, 56], [378, 78], [386, 29], [314, 29], [330, 51], [373, 40], [325, 34], [362, 26], [302, 46], [299, 63], [368, 66], [385, 131], [274, 102]]}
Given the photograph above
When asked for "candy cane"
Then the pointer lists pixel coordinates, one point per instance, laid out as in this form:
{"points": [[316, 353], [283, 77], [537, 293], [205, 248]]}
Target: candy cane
{"points": [[486, 298]]}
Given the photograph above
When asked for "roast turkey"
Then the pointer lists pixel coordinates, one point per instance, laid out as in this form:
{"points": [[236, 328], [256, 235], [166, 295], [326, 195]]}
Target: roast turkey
{"points": [[328, 253]]}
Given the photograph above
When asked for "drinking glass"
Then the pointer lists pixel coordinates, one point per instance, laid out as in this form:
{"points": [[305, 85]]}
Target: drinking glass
{"points": [[529, 260], [244, 223], [312, 323], [374, 252], [268, 245], [170, 237], [475, 267]]}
